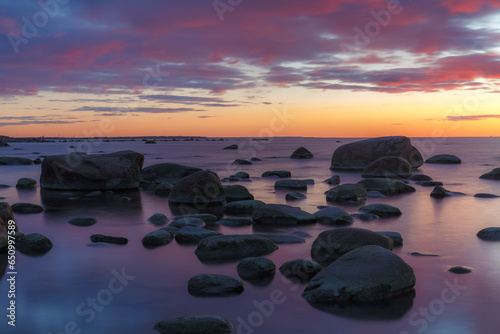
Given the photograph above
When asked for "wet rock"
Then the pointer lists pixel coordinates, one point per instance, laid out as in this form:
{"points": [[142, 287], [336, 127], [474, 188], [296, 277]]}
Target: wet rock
{"points": [[212, 324], [300, 270], [6, 213], [198, 188], [108, 239], [302, 153], [397, 239], [242, 162], [158, 219], [367, 274], [346, 193], [205, 285], [193, 235], [443, 159], [381, 210], [206, 217], [423, 254], [163, 189], [233, 247], [388, 167], [366, 217], [277, 173], [490, 234], [279, 214], [460, 270], [430, 183], [235, 222], [119, 170], [374, 194], [255, 268], [358, 155], [237, 193], [294, 196], [37, 161], [332, 244], [231, 147], [440, 192], [26, 183], [282, 238], [34, 244], [386, 186], [15, 161], [483, 195], [83, 221], [157, 238], [255, 159], [241, 175], [242, 207], [187, 221], [26, 208], [333, 180], [166, 172], [294, 185], [333, 216], [493, 175], [420, 177]]}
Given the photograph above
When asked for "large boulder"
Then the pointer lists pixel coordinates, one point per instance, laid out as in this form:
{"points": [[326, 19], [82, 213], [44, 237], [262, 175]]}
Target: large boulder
{"points": [[346, 193], [280, 214], [360, 154], [493, 175], [330, 245], [390, 167], [199, 188], [119, 170], [443, 159], [367, 274], [15, 161], [302, 153], [386, 186], [233, 247], [196, 324], [236, 193], [166, 172]]}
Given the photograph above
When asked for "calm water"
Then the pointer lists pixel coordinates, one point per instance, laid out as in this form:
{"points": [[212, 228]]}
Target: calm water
{"points": [[53, 291]]}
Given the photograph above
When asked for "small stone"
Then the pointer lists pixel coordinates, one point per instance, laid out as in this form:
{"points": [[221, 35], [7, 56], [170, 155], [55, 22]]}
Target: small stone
{"points": [[302, 153], [34, 244], [483, 195], [423, 254], [209, 324], [214, 285], [83, 221], [430, 183], [235, 222], [254, 268], [26, 208], [300, 271], [443, 159], [26, 183], [108, 239], [440, 192], [158, 219], [460, 270], [157, 238], [293, 196], [231, 147], [277, 173], [420, 177], [381, 210]]}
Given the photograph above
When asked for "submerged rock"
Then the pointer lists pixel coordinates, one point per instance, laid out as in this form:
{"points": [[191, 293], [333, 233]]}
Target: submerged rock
{"points": [[15, 161], [34, 244], [381, 210], [294, 185], [158, 219], [493, 175], [490, 234], [483, 195], [302, 153], [233, 247], [366, 217], [166, 172], [242, 207], [237, 193], [333, 180], [26, 183], [294, 196], [282, 238], [206, 217], [300, 270], [333, 216], [235, 222], [397, 239], [193, 235], [430, 183], [279, 214], [346, 193], [255, 268], [420, 177], [214, 285], [277, 173], [386, 186], [108, 239], [26, 208], [241, 175], [242, 162], [199, 188], [187, 221], [440, 192], [443, 159], [388, 167], [157, 238], [231, 147], [209, 324], [460, 270], [83, 221]]}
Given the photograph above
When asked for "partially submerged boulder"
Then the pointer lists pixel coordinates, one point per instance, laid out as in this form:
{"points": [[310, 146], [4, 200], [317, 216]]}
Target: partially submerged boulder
{"points": [[346, 193], [493, 175], [302, 153], [199, 188], [443, 159], [389, 167], [280, 214]]}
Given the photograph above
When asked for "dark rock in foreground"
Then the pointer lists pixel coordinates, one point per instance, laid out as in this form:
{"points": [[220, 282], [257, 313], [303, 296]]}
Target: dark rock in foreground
{"points": [[346, 193], [300, 271], [26, 208], [388, 167], [302, 153], [358, 155], [493, 175], [242, 207], [15, 161], [33, 244], [214, 285], [279, 214], [83, 221], [364, 275], [108, 239], [157, 238], [381, 210], [166, 172], [386, 186], [460, 270], [26, 183], [255, 268], [277, 173], [199, 188], [233, 247], [489, 233], [208, 324], [330, 245], [443, 159]]}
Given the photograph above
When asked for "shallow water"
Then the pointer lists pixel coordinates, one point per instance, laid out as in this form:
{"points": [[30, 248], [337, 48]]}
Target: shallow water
{"points": [[52, 290]]}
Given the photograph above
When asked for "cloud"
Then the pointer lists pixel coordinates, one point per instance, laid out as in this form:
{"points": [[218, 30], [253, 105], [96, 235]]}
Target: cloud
{"points": [[470, 117], [136, 110]]}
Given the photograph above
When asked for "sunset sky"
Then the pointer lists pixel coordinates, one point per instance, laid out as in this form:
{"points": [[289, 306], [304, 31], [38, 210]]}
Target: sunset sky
{"points": [[226, 68]]}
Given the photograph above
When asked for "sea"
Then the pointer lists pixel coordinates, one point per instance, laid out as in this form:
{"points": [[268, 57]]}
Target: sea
{"points": [[80, 287]]}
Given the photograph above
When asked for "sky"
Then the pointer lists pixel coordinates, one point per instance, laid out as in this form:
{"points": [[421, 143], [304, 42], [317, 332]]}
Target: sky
{"points": [[249, 68]]}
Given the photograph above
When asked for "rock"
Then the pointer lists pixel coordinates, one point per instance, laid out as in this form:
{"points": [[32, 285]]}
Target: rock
{"points": [[493, 175], [279, 214], [255, 268], [460, 270], [150, 142], [167, 172], [346, 193], [332, 244], [242, 207], [255, 159], [199, 188], [6, 213], [233, 247], [15, 161], [423, 254], [430, 183], [440, 192], [374, 194], [164, 189], [300, 271], [157, 238], [206, 217], [108, 239], [277, 173], [231, 147], [34, 244], [242, 162], [26, 183], [420, 177], [193, 235], [302, 153], [301, 234], [170, 229], [241, 175], [388, 167], [158, 219], [483, 195], [294, 185], [37, 161], [119, 170], [386, 186], [397, 239], [333, 180], [187, 221], [358, 155], [26, 208], [381, 210], [237, 193], [443, 159], [490, 234], [83, 221], [212, 324], [294, 196], [205, 285], [282, 238], [366, 217], [367, 274], [235, 222], [333, 216]]}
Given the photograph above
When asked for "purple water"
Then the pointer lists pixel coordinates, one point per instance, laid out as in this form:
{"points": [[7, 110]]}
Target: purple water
{"points": [[52, 291]]}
